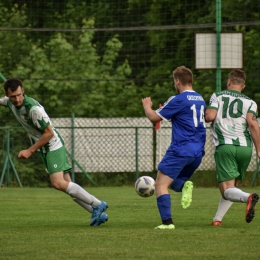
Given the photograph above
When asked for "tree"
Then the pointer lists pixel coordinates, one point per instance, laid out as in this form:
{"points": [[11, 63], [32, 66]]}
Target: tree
{"points": [[66, 65]]}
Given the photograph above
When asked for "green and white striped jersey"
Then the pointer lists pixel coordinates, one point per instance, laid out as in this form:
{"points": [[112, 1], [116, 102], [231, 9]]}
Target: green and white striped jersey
{"points": [[34, 119], [230, 125]]}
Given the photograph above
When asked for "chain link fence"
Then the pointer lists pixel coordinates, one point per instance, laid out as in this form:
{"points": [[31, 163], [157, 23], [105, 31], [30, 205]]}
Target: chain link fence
{"points": [[105, 145]]}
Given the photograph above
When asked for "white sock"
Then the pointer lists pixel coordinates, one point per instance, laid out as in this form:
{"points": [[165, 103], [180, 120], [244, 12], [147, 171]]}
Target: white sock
{"points": [[75, 191], [223, 207], [236, 195], [83, 204]]}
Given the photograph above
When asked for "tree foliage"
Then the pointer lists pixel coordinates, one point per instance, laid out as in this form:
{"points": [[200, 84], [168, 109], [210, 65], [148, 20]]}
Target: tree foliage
{"points": [[105, 73]]}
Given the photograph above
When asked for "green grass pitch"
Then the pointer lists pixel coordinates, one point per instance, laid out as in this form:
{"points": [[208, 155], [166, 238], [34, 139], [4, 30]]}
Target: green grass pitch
{"points": [[42, 223]]}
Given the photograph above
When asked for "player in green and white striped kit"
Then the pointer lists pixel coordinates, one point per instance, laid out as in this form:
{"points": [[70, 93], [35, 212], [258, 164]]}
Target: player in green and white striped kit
{"points": [[45, 139], [234, 127]]}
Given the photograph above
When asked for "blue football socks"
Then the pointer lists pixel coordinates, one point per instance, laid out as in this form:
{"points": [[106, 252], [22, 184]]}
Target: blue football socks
{"points": [[164, 206]]}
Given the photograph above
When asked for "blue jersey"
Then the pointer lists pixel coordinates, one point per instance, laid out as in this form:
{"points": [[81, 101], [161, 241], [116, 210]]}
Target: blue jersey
{"points": [[186, 113]]}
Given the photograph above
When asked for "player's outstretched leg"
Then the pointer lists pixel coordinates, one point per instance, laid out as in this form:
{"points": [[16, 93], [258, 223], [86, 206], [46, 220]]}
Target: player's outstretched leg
{"points": [[250, 207], [97, 212], [186, 197]]}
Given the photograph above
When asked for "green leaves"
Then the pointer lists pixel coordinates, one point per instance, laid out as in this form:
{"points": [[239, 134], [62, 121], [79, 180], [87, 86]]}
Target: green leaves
{"points": [[91, 70], [69, 67]]}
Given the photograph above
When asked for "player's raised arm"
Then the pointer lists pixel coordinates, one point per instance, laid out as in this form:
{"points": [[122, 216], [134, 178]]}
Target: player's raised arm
{"points": [[150, 113]]}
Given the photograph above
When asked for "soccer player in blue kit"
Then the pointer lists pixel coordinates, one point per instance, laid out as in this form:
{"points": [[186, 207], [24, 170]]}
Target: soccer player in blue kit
{"points": [[184, 155]]}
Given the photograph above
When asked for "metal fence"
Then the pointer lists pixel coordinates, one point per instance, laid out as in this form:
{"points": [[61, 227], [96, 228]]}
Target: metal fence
{"points": [[108, 145]]}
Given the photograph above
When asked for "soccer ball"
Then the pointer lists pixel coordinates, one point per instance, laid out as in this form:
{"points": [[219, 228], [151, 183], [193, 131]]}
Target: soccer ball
{"points": [[144, 186]]}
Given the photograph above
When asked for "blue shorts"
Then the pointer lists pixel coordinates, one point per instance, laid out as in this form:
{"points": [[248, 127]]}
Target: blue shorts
{"points": [[179, 167]]}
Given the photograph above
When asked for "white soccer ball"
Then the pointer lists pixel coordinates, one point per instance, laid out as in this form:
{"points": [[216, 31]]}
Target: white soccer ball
{"points": [[144, 186]]}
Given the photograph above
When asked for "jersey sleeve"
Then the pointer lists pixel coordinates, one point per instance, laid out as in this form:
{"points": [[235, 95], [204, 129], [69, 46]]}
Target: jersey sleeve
{"points": [[213, 102], [3, 101], [253, 108], [169, 108], [39, 117]]}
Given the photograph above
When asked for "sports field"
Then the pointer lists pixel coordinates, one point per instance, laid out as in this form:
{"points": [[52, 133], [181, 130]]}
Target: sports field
{"points": [[42, 223]]}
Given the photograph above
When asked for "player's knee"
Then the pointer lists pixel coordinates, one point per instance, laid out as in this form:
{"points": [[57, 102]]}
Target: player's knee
{"points": [[58, 185]]}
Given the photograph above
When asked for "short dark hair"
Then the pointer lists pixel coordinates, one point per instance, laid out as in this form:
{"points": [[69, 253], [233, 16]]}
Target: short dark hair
{"points": [[12, 84], [184, 75], [237, 77]]}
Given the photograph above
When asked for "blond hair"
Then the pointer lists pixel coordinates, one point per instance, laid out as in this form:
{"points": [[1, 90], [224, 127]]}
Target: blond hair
{"points": [[184, 75]]}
